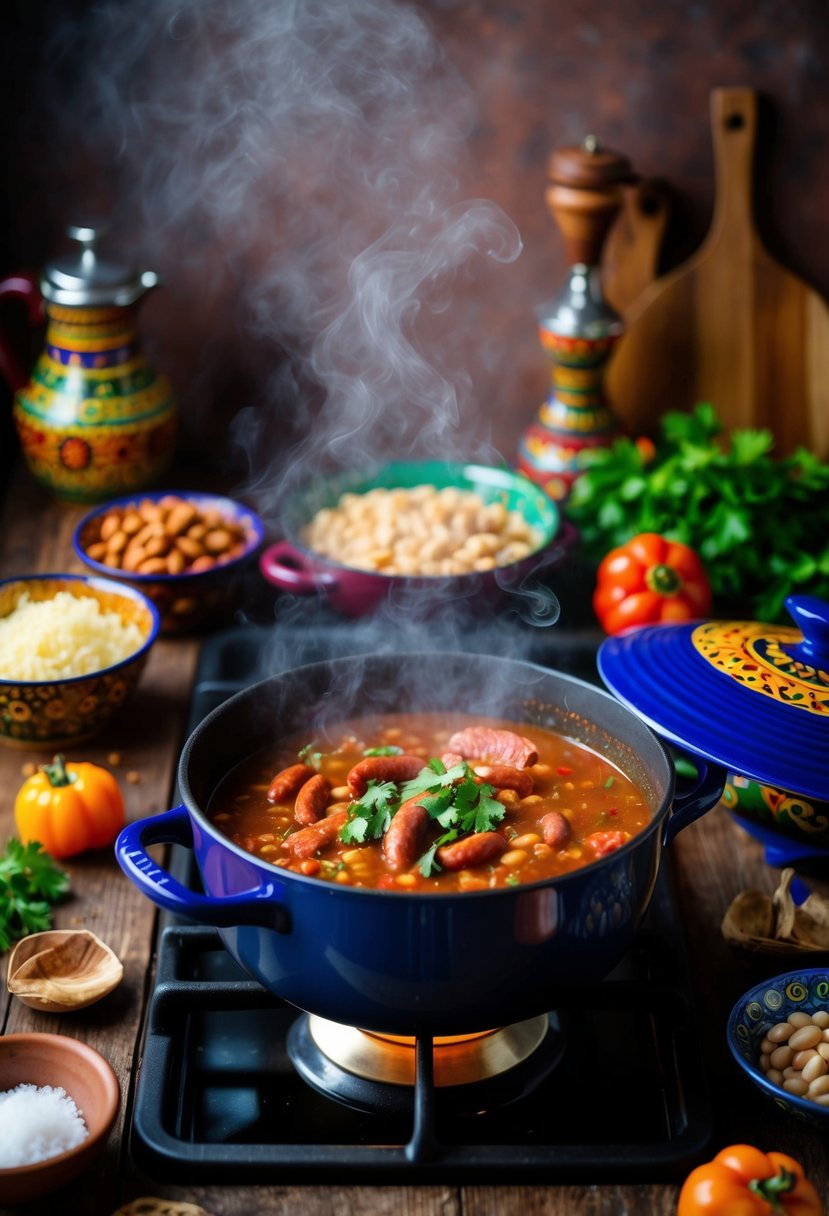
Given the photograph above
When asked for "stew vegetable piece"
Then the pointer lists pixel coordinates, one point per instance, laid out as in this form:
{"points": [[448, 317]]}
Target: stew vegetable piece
{"points": [[430, 802]]}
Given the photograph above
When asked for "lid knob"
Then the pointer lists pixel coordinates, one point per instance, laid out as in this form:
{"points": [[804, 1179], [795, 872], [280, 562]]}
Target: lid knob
{"points": [[811, 615]]}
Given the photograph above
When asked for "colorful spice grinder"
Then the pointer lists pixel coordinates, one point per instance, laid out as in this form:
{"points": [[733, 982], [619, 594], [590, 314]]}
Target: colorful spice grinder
{"points": [[752, 697], [94, 420]]}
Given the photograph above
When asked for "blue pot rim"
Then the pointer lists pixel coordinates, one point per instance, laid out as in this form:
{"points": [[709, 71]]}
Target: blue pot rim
{"points": [[693, 684]]}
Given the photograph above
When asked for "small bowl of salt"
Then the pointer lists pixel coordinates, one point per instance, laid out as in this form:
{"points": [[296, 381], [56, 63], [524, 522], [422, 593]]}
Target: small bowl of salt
{"points": [[58, 1102]]}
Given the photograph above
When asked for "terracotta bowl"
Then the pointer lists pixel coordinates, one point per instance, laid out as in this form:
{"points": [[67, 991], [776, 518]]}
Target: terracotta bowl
{"points": [[763, 1006], [52, 714], [56, 1060], [195, 599]]}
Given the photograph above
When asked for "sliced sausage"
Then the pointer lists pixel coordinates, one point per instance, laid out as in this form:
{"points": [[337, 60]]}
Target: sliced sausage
{"points": [[505, 777], [497, 746], [450, 759], [310, 840], [554, 829], [312, 799], [473, 850], [383, 768], [405, 839], [287, 783]]}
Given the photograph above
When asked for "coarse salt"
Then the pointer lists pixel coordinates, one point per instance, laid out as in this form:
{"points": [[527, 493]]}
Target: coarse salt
{"points": [[36, 1123]]}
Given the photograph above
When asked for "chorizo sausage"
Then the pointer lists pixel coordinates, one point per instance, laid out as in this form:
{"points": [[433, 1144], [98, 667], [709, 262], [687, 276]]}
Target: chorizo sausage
{"points": [[498, 746], [311, 799], [383, 768], [404, 841], [554, 829], [471, 851], [450, 759], [310, 840], [505, 777], [287, 783]]}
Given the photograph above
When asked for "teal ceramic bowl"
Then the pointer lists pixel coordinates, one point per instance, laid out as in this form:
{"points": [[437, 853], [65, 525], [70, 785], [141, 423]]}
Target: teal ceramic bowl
{"points": [[754, 1014], [60, 712], [293, 567]]}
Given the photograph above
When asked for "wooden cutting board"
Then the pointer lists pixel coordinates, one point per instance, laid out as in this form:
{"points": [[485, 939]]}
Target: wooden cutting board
{"points": [[730, 326], [630, 254]]}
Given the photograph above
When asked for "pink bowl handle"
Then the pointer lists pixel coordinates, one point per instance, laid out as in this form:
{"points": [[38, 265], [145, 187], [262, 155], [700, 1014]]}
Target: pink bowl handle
{"points": [[289, 569]]}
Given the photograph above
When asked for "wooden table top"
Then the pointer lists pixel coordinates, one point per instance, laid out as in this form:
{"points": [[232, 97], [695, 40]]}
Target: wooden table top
{"points": [[713, 858]]}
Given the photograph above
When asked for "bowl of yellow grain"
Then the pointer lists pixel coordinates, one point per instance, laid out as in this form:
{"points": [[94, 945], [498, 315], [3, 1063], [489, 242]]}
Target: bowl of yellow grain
{"points": [[72, 650]]}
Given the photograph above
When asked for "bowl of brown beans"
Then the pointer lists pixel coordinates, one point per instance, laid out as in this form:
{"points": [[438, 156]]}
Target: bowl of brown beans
{"points": [[778, 1033], [415, 533], [185, 550]]}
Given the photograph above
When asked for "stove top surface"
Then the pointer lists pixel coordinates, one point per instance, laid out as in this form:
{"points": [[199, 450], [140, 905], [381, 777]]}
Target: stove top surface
{"points": [[623, 1093]]}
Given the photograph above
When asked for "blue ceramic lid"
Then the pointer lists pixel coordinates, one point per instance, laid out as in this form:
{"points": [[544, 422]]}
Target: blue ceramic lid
{"points": [[750, 696]]}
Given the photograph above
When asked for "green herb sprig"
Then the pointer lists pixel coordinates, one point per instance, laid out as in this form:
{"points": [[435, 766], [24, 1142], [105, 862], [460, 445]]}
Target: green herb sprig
{"points": [[759, 524], [30, 883], [452, 797]]}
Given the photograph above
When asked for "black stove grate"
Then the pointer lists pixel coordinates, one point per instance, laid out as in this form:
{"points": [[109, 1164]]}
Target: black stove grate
{"points": [[218, 1097]]}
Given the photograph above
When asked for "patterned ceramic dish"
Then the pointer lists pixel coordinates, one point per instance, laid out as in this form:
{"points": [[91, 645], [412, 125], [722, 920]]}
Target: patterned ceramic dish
{"points": [[761, 1008], [85, 1076], [750, 696], [54, 713], [207, 587]]}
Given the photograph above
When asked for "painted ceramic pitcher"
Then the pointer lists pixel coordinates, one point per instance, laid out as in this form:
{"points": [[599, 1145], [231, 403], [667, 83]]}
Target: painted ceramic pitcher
{"points": [[94, 420]]}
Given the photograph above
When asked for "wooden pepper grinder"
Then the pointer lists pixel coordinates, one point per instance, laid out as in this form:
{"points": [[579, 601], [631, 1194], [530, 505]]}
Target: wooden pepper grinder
{"points": [[579, 328]]}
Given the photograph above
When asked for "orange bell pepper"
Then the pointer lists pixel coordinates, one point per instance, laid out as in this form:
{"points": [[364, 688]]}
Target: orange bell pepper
{"points": [[69, 808], [742, 1181], [650, 580]]}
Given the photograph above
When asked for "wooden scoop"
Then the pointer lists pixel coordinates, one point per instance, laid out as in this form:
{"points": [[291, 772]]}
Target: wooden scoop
{"points": [[730, 326]]}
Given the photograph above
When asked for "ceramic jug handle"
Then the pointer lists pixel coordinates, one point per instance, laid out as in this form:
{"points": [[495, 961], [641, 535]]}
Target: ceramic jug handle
{"points": [[259, 906], [689, 804], [23, 287]]}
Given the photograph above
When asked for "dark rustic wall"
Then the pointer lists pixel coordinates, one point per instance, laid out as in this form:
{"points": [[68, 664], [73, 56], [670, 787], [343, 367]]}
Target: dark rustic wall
{"points": [[540, 75]]}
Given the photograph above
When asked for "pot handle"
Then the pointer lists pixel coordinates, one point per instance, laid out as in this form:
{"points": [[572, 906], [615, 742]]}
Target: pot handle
{"points": [[21, 286], [256, 907], [699, 796], [288, 569]]}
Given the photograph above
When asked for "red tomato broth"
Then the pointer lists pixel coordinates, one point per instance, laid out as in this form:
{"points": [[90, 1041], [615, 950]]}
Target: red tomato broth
{"points": [[603, 807]]}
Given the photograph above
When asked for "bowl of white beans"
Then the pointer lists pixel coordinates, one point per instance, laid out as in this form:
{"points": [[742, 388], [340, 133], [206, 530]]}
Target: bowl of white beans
{"points": [[778, 1033], [431, 530]]}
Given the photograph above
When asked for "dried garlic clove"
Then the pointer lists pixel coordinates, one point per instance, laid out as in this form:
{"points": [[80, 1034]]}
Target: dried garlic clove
{"points": [[785, 909], [62, 970], [749, 918]]}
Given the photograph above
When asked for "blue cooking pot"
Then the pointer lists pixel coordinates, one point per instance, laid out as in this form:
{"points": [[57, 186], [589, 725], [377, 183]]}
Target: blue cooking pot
{"points": [[405, 963]]}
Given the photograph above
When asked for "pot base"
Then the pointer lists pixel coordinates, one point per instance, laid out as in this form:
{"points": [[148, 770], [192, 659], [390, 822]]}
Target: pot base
{"points": [[377, 1073]]}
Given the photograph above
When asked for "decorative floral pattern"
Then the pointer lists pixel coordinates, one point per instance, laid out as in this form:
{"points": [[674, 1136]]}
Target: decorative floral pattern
{"points": [[788, 813], [95, 420], [744, 651]]}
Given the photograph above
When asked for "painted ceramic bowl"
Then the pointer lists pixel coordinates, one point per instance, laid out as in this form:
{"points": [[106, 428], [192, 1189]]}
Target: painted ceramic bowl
{"points": [[51, 712], [750, 696], [295, 567], [187, 551], [85, 1076], [764, 1006]]}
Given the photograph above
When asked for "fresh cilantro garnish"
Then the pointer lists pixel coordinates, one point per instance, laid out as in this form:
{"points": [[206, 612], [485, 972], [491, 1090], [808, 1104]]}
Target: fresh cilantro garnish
{"points": [[307, 755], [29, 883], [390, 749], [456, 801], [369, 817], [608, 783]]}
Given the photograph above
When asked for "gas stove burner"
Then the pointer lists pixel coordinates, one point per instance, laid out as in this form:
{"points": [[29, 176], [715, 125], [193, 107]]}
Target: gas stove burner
{"points": [[471, 1073]]}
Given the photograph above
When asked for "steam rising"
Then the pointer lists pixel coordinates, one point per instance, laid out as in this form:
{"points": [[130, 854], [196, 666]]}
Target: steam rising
{"points": [[302, 161], [318, 146]]}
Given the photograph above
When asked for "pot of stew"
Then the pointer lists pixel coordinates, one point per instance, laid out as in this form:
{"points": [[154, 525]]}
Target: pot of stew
{"points": [[427, 843]]}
